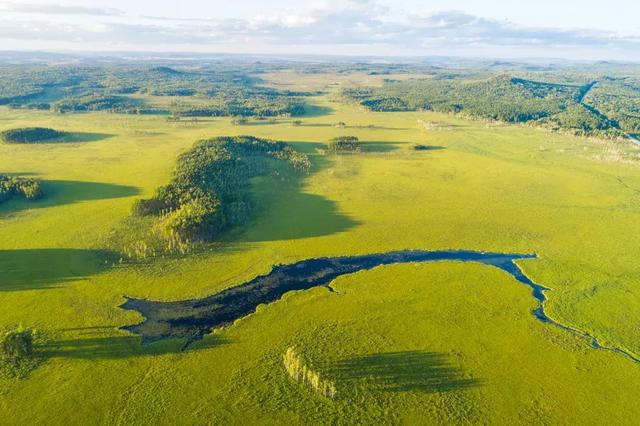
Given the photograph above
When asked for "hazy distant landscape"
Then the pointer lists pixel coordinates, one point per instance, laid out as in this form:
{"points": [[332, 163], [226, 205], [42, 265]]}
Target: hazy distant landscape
{"points": [[327, 222]]}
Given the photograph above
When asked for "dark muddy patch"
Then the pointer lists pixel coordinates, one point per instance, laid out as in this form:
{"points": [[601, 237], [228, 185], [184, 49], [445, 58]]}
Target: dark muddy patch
{"points": [[192, 319]]}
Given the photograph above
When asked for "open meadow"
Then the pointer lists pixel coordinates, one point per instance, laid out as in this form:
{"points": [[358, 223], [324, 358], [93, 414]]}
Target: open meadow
{"points": [[435, 343]]}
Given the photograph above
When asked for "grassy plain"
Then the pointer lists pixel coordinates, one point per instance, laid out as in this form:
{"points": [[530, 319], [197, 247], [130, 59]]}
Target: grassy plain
{"points": [[433, 343]]}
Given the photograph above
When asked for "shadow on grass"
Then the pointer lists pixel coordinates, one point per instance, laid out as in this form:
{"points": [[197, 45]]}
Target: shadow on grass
{"points": [[291, 215], [46, 268], [95, 346], [381, 147], [263, 123], [411, 371], [311, 148], [59, 192], [284, 211], [311, 110], [304, 124], [75, 137], [19, 174], [69, 137], [426, 148], [376, 127]]}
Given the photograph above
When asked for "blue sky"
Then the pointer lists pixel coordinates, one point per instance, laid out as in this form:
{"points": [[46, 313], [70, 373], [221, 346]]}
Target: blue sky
{"points": [[567, 29]]}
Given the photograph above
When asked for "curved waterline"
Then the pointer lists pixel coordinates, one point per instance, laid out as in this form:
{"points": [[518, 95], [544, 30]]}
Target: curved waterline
{"points": [[192, 319]]}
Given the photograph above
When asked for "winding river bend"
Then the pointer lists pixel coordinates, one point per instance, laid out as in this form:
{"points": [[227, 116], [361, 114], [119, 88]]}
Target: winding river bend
{"points": [[192, 319]]}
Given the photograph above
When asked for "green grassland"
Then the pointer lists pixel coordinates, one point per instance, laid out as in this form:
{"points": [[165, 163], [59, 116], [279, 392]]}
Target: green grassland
{"points": [[433, 343]]}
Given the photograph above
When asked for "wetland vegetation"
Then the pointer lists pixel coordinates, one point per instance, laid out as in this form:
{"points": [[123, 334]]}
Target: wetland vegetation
{"points": [[187, 247]]}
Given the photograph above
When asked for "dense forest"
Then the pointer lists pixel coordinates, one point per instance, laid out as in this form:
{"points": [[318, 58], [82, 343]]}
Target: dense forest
{"points": [[209, 189], [29, 135], [587, 108], [11, 186], [222, 91], [619, 100], [245, 102], [585, 99]]}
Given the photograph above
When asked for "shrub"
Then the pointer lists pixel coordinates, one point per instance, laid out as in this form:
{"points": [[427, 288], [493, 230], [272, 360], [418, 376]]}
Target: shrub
{"points": [[301, 373], [153, 206], [344, 144], [420, 147], [238, 121], [298, 160], [17, 352]]}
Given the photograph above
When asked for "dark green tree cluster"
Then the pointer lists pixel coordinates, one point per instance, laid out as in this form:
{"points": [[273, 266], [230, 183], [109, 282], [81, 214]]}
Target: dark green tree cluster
{"points": [[247, 106], [110, 103], [585, 109], [30, 135], [498, 98], [584, 121], [11, 186], [17, 352], [209, 189], [246, 101], [227, 91], [344, 144], [20, 85], [619, 100], [389, 103]]}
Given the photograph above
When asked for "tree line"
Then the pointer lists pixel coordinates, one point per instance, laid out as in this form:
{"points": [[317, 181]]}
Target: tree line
{"points": [[224, 91], [574, 107]]}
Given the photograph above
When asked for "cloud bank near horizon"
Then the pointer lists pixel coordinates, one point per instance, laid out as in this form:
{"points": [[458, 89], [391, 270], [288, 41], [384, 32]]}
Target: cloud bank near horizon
{"points": [[351, 27]]}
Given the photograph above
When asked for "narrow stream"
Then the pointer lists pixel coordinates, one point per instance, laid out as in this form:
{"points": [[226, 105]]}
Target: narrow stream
{"points": [[192, 319]]}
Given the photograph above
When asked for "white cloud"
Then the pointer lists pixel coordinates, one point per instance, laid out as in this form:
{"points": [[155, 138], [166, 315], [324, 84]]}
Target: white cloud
{"points": [[56, 9], [362, 25]]}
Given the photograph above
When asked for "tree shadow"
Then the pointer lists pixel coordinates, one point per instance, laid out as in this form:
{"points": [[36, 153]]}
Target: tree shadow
{"points": [[403, 372], [19, 174], [70, 137], [380, 147], [310, 148], [59, 192], [425, 148], [287, 212], [376, 127], [47, 268], [312, 110], [291, 214], [317, 125], [262, 123], [76, 137], [94, 346]]}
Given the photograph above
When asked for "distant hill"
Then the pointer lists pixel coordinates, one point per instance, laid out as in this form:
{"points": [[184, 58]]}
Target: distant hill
{"points": [[575, 107], [166, 71]]}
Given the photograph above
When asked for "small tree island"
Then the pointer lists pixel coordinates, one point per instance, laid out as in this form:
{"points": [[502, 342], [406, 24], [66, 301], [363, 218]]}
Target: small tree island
{"points": [[344, 144], [11, 186], [30, 135]]}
